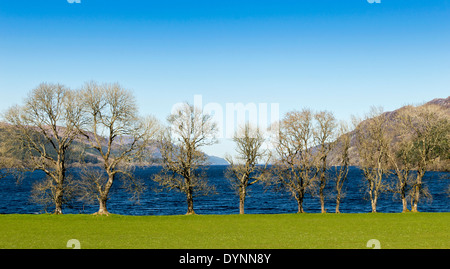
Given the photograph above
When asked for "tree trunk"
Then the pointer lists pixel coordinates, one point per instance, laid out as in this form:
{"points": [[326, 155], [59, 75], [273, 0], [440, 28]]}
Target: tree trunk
{"points": [[300, 202], [402, 176], [373, 203], [104, 196], [416, 196], [241, 205], [58, 199], [241, 199], [417, 188], [373, 194], [102, 206], [323, 182], [403, 195], [59, 192], [190, 202], [338, 201], [405, 204], [322, 202], [300, 206]]}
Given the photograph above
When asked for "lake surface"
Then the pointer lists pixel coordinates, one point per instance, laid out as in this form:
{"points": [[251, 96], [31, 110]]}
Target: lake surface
{"points": [[14, 198]]}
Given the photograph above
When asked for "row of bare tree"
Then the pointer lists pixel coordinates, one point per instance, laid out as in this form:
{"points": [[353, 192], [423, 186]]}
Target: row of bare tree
{"points": [[102, 121], [53, 119], [401, 144], [404, 144]]}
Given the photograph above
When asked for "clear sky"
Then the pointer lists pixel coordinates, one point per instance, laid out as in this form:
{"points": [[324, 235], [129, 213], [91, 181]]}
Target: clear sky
{"points": [[340, 55]]}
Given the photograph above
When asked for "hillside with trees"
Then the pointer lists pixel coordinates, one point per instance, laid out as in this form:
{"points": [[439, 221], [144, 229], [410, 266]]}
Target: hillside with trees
{"points": [[439, 106]]}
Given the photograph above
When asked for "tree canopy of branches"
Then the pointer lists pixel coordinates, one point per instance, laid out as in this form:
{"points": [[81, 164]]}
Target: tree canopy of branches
{"points": [[244, 170], [324, 135], [180, 147], [372, 143], [294, 169], [342, 145]]}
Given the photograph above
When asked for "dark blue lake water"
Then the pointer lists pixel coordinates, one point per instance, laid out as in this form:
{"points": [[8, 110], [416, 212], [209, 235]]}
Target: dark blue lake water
{"points": [[14, 198]]}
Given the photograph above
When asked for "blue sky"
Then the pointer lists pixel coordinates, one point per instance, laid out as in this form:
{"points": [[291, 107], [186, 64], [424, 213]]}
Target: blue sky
{"points": [[343, 56]]}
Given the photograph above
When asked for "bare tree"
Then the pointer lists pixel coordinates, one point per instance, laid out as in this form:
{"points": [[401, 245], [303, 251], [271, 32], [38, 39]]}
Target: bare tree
{"points": [[400, 154], [180, 147], [429, 138], [342, 145], [294, 169], [44, 128], [372, 144], [324, 135], [244, 171], [114, 129]]}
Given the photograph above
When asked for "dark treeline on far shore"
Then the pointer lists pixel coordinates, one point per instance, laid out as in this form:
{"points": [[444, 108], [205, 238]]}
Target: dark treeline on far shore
{"points": [[99, 126]]}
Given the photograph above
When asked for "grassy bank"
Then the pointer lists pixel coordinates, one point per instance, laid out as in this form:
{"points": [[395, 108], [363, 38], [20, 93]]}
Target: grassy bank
{"points": [[410, 230]]}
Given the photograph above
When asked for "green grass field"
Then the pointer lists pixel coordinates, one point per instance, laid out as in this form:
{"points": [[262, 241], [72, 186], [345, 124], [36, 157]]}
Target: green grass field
{"points": [[348, 231]]}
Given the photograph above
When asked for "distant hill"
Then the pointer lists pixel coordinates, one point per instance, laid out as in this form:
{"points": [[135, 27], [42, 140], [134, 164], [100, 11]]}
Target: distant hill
{"points": [[210, 159], [214, 160], [444, 103], [82, 154]]}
